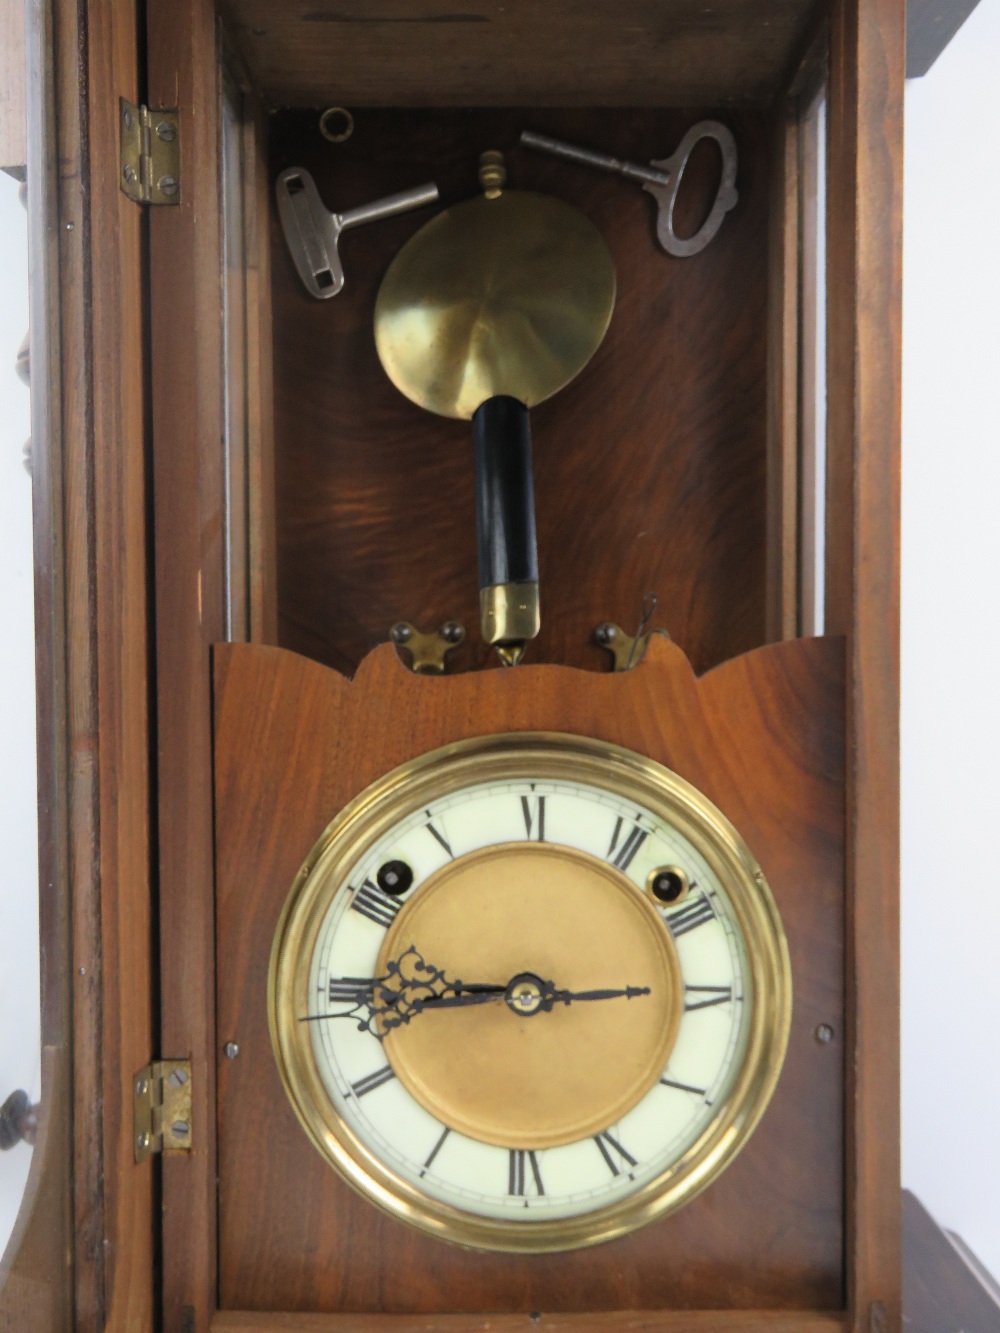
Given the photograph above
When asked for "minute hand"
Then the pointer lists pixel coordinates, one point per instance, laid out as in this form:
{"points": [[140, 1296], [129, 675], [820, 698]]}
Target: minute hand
{"points": [[554, 996]]}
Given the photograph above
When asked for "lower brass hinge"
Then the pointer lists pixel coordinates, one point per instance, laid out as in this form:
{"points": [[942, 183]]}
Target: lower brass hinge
{"points": [[150, 154], [161, 1102]]}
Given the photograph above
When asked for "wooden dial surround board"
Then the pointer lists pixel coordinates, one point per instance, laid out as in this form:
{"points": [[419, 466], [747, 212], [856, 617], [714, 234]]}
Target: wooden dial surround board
{"points": [[762, 737]]}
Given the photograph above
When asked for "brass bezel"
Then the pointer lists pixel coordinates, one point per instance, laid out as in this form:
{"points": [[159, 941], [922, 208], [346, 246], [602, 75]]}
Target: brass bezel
{"points": [[548, 756]]}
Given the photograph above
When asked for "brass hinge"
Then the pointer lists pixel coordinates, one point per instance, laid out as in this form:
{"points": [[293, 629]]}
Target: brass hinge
{"points": [[161, 1102], [150, 153]]}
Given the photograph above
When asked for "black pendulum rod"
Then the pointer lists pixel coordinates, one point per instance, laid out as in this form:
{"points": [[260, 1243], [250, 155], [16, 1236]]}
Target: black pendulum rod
{"points": [[505, 526]]}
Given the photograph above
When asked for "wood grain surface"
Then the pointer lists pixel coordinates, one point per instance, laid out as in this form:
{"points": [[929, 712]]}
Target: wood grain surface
{"points": [[762, 737], [623, 1321], [864, 289], [112, 874], [190, 597], [509, 52], [650, 468]]}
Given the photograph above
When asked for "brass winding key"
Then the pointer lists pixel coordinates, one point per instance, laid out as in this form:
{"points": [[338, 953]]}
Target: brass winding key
{"points": [[662, 178]]}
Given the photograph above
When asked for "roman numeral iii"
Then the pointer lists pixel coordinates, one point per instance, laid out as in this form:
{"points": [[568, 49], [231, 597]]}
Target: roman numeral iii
{"points": [[704, 997], [689, 917]]}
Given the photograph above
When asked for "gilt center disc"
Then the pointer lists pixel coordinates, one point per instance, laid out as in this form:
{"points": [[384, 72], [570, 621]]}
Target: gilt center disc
{"points": [[546, 1078]]}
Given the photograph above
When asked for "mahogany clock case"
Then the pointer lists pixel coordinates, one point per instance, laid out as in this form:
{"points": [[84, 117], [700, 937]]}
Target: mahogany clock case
{"points": [[254, 478]]}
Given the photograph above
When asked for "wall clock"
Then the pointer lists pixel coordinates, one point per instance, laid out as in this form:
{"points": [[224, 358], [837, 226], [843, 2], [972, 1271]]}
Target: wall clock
{"points": [[288, 496], [529, 992]]}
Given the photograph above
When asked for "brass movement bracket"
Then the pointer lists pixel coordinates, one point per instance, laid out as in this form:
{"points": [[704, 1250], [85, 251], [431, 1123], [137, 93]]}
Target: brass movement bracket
{"points": [[427, 651], [627, 650]]}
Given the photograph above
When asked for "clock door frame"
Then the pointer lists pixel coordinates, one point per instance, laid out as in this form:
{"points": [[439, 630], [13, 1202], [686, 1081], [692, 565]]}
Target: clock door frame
{"points": [[174, 516], [84, 1253], [866, 71]]}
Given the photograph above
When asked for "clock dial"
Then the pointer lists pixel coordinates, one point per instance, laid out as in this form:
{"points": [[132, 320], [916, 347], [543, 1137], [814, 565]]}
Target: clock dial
{"points": [[522, 1005], [545, 925]]}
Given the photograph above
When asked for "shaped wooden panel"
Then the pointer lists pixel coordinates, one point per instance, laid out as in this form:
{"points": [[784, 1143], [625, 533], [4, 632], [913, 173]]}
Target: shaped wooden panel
{"points": [[762, 737]]}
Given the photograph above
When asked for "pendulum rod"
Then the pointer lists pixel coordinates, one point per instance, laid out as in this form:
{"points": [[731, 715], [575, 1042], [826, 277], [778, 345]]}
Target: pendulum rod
{"points": [[505, 526]]}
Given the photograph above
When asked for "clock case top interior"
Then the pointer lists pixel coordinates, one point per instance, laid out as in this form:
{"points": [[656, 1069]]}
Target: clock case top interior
{"points": [[650, 466]]}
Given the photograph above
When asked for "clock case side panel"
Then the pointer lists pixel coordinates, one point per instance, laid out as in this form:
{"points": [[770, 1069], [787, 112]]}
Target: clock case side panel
{"points": [[210, 367], [762, 737], [864, 338]]}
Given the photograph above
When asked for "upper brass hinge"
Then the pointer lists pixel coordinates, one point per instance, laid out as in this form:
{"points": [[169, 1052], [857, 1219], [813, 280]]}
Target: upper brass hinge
{"points": [[150, 154], [161, 1102]]}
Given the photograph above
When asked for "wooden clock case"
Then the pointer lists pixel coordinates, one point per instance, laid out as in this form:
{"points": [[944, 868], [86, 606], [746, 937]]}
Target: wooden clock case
{"points": [[233, 469]]}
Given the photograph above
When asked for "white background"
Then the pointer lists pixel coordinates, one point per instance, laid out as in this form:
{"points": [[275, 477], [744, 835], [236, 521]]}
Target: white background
{"points": [[951, 637], [951, 653], [19, 1032]]}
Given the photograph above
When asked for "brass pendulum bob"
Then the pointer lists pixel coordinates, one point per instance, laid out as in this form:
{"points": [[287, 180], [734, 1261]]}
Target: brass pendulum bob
{"points": [[493, 306]]}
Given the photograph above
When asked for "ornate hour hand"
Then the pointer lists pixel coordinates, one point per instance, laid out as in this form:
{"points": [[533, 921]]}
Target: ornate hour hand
{"points": [[379, 1004], [411, 986]]}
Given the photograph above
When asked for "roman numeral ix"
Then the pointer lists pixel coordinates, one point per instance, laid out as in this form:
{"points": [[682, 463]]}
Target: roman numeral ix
{"points": [[350, 990]]}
